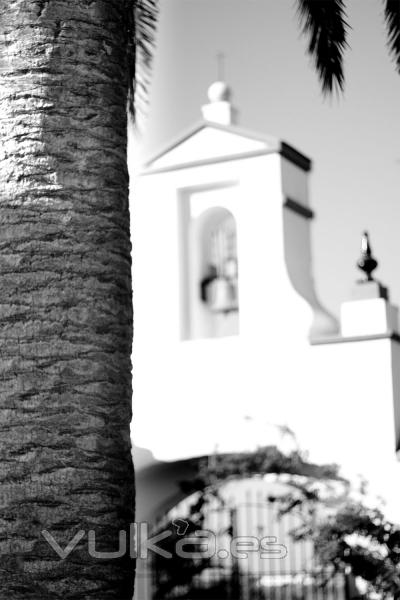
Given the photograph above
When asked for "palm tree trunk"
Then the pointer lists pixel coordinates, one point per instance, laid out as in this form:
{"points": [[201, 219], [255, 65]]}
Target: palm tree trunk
{"points": [[65, 298]]}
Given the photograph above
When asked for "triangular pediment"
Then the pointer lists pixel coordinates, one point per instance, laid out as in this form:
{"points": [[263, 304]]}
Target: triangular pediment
{"points": [[209, 141]]}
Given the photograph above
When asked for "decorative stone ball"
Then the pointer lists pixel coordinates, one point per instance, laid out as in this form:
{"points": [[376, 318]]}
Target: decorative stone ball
{"points": [[219, 91]]}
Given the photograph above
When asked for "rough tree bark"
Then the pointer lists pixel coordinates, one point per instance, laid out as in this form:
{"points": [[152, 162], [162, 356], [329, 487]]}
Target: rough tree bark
{"points": [[65, 298]]}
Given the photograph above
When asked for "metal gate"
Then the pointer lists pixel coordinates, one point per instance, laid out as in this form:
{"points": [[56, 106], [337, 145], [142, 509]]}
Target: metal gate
{"points": [[250, 554]]}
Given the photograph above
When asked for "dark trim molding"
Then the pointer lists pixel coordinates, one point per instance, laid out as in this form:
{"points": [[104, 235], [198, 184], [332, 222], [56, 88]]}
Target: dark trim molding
{"points": [[295, 157], [298, 208], [390, 335]]}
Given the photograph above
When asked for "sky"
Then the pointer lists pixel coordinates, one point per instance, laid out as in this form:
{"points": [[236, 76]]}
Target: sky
{"points": [[353, 139]]}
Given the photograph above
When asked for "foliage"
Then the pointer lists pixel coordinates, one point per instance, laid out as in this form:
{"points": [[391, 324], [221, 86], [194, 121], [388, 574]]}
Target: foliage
{"points": [[324, 22], [142, 26], [392, 18], [347, 534], [176, 576], [219, 468], [358, 537]]}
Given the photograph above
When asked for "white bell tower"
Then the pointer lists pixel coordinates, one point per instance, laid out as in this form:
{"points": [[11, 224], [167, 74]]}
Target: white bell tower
{"points": [[222, 268], [229, 329]]}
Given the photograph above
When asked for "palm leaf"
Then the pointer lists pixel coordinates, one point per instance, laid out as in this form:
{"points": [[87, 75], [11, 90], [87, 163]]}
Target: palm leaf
{"points": [[324, 23], [392, 18], [141, 27]]}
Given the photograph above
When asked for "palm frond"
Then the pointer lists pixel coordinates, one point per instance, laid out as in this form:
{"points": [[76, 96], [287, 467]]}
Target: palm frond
{"points": [[392, 18], [324, 23], [142, 27]]}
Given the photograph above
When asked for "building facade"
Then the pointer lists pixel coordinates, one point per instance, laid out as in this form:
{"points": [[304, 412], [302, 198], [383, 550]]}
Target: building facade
{"points": [[233, 347]]}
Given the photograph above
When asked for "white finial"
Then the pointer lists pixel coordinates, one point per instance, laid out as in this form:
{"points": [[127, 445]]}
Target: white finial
{"points": [[219, 91], [219, 110]]}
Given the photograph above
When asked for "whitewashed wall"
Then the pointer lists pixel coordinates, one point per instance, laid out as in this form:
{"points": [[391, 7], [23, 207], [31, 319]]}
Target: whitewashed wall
{"points": [[192, 396]]}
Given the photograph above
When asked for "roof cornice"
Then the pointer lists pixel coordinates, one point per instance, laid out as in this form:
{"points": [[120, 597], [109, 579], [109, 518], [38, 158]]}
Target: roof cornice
{"points": [[273, 145]]}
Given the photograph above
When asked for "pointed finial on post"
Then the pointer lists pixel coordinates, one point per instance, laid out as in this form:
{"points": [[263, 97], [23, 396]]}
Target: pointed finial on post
{"points": [[369, 312], [367, 262]]}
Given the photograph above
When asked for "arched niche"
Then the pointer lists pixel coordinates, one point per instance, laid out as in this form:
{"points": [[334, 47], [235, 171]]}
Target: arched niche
{"points": [[213, 273]]}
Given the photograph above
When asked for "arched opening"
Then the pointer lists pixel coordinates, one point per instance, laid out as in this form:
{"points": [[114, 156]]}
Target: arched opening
{"points": [[212, 273], [236, 545], [219, 282]]}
